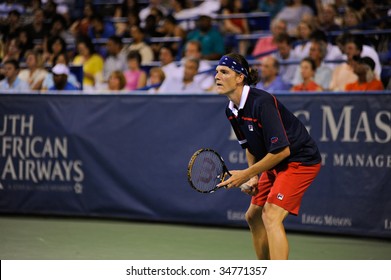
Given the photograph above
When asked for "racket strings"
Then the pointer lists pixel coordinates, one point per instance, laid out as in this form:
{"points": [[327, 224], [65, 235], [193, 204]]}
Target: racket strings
{"points": [[206, 171]]}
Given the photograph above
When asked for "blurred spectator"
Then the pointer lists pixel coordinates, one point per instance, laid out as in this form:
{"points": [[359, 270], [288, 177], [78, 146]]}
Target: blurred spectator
{"points": [[80, 27], [11, 82], [61, 58], [170, 28], [116, 82], [211, 39], [184, 83], [286, 57], [91, 61], [293, 13], [326, 18], [147, 10], [8, 6], [140, 45], [270, 80], [271, 6], [351, 19], [54, 46], [11, 27], [59, 27], [12, 50], [323, 73], [116, 57], [236, 26], [37, 30], [183, 13], [204, 77], [135, 77], [307, 73], [333, 52], [60, 74], [25, 42], [99, 28], [268, 43], [156, 77], [363, 67], [348, 40], [34, 74], [304, 30], [167, 60]]}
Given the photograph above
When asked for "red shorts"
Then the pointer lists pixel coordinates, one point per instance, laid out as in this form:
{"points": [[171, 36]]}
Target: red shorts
{"points": [[285, 186]]}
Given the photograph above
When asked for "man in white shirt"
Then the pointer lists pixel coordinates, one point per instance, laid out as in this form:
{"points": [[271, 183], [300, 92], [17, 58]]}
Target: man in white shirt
{"points": [[184, 83]]}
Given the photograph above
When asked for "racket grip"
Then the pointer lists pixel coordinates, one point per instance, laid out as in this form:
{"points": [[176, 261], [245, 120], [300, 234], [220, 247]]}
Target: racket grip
{"points": [[245, 187]]}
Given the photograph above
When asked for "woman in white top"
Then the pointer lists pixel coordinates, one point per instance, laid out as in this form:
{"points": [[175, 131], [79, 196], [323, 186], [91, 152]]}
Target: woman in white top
{"points": [[34, 74]]}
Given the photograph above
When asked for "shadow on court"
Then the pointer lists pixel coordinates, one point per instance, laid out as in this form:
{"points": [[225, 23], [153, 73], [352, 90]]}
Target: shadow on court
{"points": [[91, 239]]}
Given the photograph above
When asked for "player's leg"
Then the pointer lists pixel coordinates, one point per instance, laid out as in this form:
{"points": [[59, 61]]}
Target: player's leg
{"points": [[258, 231], [273, 217], [254, 215]]}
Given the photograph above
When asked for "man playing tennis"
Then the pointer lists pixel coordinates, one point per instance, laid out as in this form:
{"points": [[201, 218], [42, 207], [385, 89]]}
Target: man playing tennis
{"points": [[277, 145]]}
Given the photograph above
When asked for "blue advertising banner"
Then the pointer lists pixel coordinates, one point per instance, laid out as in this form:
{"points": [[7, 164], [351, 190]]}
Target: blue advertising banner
{"points": [[126, 156]]}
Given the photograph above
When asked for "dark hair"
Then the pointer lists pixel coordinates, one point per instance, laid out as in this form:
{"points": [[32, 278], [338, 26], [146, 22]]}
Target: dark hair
{"points": [[116, 39], [284, 37], [88, 42], [55, 58], [14, 62], [252, 78], [311, 62], [134, 55], [52, 40]]}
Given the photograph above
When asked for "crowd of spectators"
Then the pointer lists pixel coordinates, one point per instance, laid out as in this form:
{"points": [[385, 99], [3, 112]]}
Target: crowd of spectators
{"points": [[172, 45]]}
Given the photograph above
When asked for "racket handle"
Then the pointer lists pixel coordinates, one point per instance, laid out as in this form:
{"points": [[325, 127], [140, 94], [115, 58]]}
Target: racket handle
{"points": [[245, 187]]}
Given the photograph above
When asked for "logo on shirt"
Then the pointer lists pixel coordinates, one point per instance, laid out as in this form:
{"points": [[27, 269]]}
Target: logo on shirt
{"points": [[280, 196], [274, 140], [250, 127]]}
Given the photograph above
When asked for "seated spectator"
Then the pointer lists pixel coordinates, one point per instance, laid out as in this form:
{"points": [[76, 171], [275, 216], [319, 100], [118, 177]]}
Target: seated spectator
{"points": [[60, 78], [236, 26], [147, 10], [326, 18], [116, 57], [61, 58], [333, 53], [54, 46], [116, 82], [205, 79], [12, 50], [11, 82], [155, 79], [322, 73], [270, 80], [135, 77], [170, 28], [211, 39], [307, 72], [293, 13], [304, 30], [38, 29], [286, 57], [12, 26], [34, 74], [80, 26], [184, 83], [168, 63], [347, 40], [91, 61], [100, 29], [267, 44], [59, 28], [367, 81], [140, 45]]}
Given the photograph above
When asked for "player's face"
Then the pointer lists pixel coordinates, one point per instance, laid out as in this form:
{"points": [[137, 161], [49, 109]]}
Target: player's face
{"points": [[226, 80]]}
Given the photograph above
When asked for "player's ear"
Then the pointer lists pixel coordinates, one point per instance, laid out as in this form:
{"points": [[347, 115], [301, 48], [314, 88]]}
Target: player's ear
{"points": [[239, 78]]}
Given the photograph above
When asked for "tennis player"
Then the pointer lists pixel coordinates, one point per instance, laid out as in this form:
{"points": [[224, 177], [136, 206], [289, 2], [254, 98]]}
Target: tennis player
{"points": [[278, 149]]}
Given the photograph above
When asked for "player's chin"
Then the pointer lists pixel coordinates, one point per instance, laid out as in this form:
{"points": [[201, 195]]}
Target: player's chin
{"points": [[219, 89]]}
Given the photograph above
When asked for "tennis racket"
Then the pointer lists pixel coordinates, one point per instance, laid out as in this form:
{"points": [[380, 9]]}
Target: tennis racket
{"points": [[206, 169]]}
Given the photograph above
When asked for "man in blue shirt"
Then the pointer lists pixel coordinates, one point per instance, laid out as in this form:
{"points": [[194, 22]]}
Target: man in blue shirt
{"points": [[278, 149], [270, 80], [11, 82], [60, 78]]}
